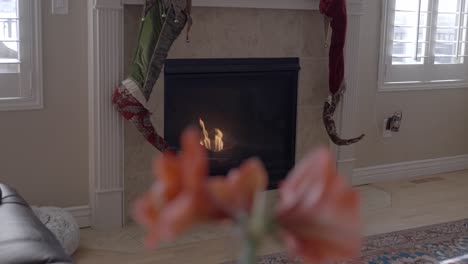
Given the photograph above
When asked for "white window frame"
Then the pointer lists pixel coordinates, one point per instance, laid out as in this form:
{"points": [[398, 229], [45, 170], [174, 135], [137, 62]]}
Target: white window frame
{"points": [[399, 72], [30, 76]]}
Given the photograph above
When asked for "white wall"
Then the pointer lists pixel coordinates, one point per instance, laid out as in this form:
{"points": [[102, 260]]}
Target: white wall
{"points": [[435, 122], [44, 153]]}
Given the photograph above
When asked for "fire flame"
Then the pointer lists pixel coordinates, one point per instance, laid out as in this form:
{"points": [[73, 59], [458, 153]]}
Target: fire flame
{"points": [[206, 142], [218, 143]]}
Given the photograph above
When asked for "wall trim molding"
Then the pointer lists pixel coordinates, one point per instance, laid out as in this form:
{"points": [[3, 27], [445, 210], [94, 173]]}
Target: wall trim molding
{"points": [[346, 114], [82, 215], [106, 131], [108, 4], [408, 170]]}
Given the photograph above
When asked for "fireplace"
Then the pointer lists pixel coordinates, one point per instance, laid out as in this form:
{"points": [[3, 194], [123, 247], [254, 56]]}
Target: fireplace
{"points": [[244, 108]]}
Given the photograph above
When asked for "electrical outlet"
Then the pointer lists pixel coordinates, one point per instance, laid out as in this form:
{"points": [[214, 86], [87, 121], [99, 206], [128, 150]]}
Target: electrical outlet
{"points": [[60, 7], [395, 122], [386, 132]]}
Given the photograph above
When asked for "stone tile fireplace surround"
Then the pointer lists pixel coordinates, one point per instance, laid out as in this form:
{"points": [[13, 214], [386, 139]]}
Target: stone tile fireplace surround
{"points": [[238, 33], [218, 32]]}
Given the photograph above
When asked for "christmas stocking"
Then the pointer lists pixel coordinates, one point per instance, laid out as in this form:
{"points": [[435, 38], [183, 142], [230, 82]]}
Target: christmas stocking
{"points": [[336, 17], [162, 22]]}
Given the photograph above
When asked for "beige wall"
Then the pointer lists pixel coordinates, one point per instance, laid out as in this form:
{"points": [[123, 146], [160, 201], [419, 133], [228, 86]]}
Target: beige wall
{"points": [[44, 153], [233, 32], [435, 122]]}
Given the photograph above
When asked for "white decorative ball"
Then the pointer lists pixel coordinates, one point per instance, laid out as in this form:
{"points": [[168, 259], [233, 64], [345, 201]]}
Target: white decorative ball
{"points": [[62, 224]]}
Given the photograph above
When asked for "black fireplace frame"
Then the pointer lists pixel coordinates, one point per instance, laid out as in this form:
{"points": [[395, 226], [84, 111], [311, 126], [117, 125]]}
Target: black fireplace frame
{"points": [[174, 67]]}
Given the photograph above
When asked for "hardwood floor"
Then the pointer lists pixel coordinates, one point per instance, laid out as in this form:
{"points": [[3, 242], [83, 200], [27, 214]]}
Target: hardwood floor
{"points": [[386, 207]]}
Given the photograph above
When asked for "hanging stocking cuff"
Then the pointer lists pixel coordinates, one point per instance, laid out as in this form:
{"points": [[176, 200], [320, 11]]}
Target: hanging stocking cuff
{"points": [[133, 88]]}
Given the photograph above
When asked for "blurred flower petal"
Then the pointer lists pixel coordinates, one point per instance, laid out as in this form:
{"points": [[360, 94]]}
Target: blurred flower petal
{"points": [[193, 160], [183, 196], [318, 212], [236, 192], [179, 198]]}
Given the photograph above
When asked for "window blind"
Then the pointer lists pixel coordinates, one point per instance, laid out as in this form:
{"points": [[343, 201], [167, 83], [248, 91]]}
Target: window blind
{"points": [[425, 41]]}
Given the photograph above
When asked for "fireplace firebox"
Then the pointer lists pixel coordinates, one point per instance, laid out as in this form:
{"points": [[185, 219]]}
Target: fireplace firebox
{"points": [[243, 107]]}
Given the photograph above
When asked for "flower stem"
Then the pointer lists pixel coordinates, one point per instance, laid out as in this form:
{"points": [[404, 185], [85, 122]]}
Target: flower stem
{"points": [[249, 251]]}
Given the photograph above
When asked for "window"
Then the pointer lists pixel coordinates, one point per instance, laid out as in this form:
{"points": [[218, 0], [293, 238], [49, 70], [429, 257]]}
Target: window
{"points": [[20, 55], [424, 44]]}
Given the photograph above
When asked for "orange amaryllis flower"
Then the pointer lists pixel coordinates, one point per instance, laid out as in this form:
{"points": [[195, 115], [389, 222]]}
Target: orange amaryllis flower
{"points": [[236, 192], [179, 197], [318, 213]]}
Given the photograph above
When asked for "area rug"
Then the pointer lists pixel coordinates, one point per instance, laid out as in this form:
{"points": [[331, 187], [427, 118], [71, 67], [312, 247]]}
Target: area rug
{"points": [[443, 243]]}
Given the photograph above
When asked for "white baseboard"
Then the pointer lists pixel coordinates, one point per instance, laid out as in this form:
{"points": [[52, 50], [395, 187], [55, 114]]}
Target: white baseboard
{"points": [[82, 215], [408, 170], [108, 210]]}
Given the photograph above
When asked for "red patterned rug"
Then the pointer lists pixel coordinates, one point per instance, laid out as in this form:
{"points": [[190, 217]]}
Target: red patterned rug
{"points": [[443, 243]]}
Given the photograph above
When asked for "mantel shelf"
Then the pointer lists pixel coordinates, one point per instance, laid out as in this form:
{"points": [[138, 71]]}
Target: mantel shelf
{"points": [[355, 7], [273, 4]]}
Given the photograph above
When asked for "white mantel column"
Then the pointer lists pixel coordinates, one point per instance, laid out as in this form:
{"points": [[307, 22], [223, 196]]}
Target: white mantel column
{"points": [[106, 133], [347, 113]]}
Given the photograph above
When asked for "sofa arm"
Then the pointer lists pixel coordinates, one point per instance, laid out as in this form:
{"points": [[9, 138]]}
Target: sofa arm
{"points": [[23, 238]]}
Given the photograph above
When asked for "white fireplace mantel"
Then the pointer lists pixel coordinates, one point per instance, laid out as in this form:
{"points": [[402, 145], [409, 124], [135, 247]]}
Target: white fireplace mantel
{"points": [[106, 131]]}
